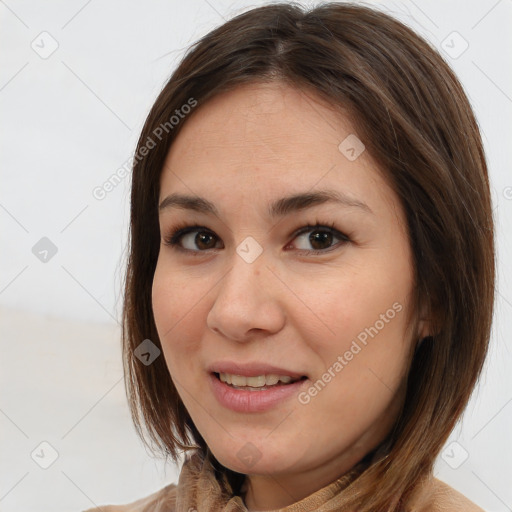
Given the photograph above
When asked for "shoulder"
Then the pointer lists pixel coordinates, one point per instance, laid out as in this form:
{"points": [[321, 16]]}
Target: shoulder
{"points": [[160, 501], [437, 496], [451, 500]]}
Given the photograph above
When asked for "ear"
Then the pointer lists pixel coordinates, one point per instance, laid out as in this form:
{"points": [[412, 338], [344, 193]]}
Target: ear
{"points": [[424, 328], [427, 324]]}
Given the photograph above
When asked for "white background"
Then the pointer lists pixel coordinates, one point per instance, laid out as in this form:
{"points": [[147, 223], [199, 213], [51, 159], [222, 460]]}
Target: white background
{"points": [[68, 123]]}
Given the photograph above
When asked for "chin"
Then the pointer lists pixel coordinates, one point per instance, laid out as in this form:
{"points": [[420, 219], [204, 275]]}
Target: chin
{"points": [[253, 457]]}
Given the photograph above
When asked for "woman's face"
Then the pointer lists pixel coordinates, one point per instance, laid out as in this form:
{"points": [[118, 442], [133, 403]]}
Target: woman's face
{"points": [[244, 292]]}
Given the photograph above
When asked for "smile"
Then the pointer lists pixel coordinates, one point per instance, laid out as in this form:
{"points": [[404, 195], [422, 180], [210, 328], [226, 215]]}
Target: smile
{"points": [[253, 394], [259, 382]]}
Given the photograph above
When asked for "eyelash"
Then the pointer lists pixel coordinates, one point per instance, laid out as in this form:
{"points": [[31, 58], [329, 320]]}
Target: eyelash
{"points": [[172, 240]]}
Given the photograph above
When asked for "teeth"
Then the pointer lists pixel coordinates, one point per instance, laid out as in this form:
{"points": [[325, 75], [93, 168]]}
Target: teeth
{"points": [[254, 382]]}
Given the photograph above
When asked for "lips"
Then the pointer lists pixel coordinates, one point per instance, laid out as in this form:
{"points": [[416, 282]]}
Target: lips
{"points": [[258, 382], [254, 400], [252, 369], [253, 396]]}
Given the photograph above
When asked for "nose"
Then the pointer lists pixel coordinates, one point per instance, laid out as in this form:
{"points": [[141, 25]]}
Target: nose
{"points": [[247, 302]]}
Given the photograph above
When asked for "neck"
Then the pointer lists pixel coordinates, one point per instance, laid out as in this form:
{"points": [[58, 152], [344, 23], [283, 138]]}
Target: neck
{"points": [[271, 492]]}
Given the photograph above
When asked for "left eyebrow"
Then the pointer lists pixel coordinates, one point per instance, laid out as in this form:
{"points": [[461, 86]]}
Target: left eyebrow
{"points": [[279, 208]]}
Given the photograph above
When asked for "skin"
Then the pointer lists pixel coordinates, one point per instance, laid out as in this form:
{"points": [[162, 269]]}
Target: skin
{"points": [[242, 150]]}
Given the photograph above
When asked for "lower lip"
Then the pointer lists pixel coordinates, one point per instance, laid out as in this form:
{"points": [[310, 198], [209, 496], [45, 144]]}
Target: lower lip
{"points": [[240, 400]]}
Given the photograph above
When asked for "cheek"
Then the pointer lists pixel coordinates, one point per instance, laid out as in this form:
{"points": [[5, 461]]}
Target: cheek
{"points": [[369, 353], [177, 309], [343, 306]]}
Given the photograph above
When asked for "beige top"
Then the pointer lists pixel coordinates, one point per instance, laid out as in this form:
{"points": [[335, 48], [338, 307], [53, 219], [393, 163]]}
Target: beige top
{"points": [[198, 490]]}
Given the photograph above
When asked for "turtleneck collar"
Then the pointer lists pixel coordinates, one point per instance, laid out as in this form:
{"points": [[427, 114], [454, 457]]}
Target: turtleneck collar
{"points": [[204, 489]]}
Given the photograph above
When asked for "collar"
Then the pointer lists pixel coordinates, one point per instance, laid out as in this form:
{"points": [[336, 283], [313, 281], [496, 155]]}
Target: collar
{"points": [[203, 488]]}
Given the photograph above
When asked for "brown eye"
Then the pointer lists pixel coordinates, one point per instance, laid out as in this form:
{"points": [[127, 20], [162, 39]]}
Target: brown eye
{"points": [[313, 239], [318, 239], [193, 239], [204, 240], [197, 240]]}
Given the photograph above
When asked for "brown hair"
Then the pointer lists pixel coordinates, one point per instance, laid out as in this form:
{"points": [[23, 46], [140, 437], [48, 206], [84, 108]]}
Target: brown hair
{"points": [[414, 118]]}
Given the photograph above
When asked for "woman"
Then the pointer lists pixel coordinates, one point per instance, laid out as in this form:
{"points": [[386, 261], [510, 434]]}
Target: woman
{"points": [[310, 285]]}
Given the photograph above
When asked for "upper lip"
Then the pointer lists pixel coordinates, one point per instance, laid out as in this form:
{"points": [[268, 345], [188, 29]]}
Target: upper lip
{"points": [[251, 369]]}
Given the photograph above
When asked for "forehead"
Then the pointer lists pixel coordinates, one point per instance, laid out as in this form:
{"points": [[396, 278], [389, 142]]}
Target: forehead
{"points": [[264, 115], [268, 138]]}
